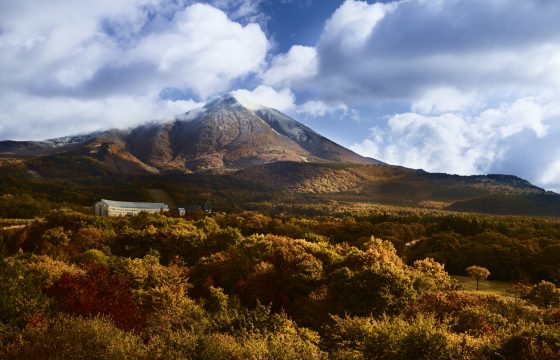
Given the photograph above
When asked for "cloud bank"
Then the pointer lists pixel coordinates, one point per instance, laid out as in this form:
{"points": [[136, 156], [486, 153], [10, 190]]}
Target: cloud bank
{"points": [[107, 64], [402, 49]]}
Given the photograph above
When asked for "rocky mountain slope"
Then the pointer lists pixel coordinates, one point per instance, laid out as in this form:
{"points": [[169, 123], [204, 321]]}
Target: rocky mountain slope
{"points": [[223, 135]]}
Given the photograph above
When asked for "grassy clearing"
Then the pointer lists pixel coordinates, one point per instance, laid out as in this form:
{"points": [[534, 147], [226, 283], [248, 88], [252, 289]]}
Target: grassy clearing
{"points": [[502, 288], [7, 224], [16, 221]]}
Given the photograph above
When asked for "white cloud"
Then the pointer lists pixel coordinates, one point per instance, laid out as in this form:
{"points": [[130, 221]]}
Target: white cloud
{"points": [[508, 120], [298, 64], [404, 49], [204, 50], [550, 177], [321, 108], [443, 100], [434, 143], [353, 22], [59, 56], [40, 36], [43, 118], [467, 144], [263, 95], [285, 100]]}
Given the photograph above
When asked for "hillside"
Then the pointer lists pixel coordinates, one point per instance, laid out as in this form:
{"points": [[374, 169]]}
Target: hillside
{"points": [[79, 179], [499, 194]]}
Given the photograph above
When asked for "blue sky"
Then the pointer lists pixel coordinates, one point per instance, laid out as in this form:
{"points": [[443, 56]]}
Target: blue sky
{"points": [[457, 86]]}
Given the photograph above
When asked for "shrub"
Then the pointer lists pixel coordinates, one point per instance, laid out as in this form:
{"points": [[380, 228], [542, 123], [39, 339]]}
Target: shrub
{"points": [[181, 344], [533, 343], [544, 294], [398, 339], [348, 334], [20, 292], [221, 346], [48, 270], [76, 338], [373, 290], [431, 275], [390, 338], [292, 345], [478, 322], [93, 256]]}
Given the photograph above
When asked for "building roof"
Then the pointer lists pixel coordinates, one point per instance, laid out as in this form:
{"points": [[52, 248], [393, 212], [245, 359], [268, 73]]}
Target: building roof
{"points": [[134, 205]]}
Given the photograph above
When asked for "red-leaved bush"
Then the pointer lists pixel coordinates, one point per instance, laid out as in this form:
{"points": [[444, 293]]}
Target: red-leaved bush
{"points": [[98, 292]]}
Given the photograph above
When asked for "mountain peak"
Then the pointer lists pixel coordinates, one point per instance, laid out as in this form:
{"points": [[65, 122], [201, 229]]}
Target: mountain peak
{"points": [[225, 103], [227, 100], [231, 100]]}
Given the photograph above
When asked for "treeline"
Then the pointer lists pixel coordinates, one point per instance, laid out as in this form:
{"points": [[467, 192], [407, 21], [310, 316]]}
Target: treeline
{"points": [[251, 286], [512, 248]]}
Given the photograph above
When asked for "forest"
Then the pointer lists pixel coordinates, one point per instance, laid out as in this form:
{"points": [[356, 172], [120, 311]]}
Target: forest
{"points": [[369, 283]]}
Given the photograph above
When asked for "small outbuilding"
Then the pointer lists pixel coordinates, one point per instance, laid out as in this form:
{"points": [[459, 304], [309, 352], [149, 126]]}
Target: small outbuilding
{"points": [[185, 209], [125, 208]]}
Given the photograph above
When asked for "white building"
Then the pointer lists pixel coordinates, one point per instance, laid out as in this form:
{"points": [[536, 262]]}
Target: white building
{"points": [[124, 208]]}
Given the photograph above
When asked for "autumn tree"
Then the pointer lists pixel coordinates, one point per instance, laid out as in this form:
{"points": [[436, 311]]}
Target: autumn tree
{"points": [[431, 275], [20, 294], [544, 294], [478, 273]]}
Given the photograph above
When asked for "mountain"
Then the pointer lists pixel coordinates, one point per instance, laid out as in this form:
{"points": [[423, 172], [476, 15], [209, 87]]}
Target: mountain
{"points": [[239, 155], [224, 135], [229, 136]]}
